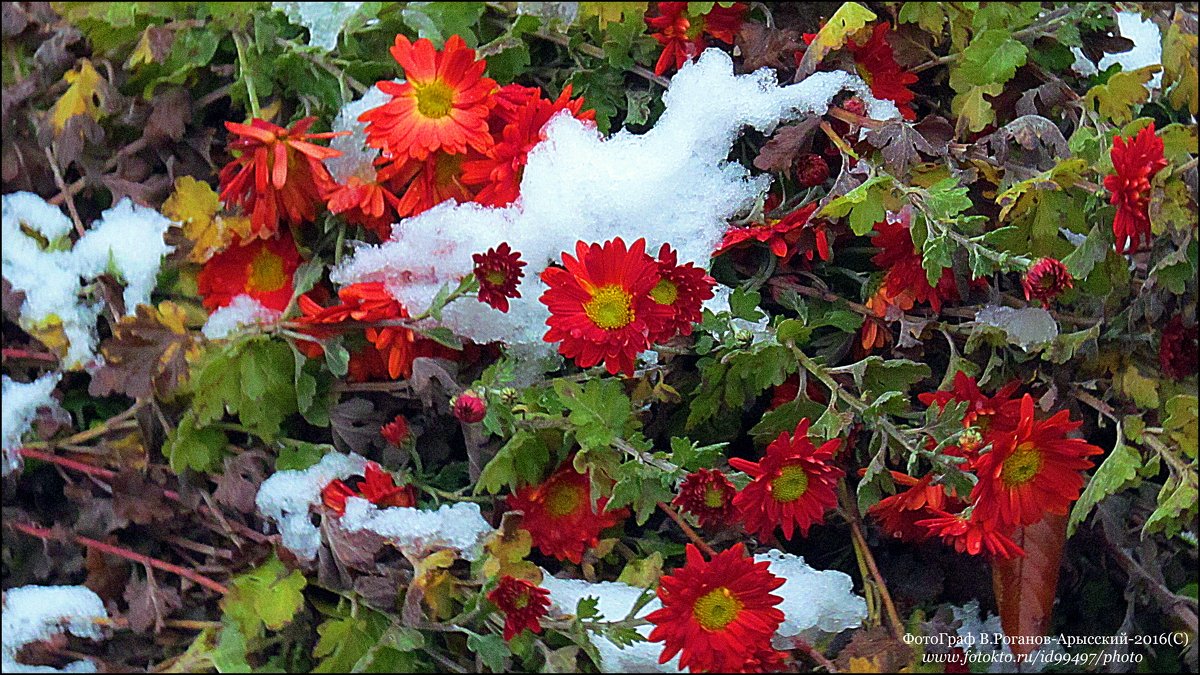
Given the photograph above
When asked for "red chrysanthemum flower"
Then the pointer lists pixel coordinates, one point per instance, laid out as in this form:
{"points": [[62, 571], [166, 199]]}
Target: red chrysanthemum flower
{"points": [[1032, 470], [559, 514], [600, 304], [523, 604], [498, 175], [888, 305], [1134, 164], [717, 615], [395, 432], [785, 237], [968, 534], [442, 105], [377, 486], [811, 169], [683, 37], [1045, 280], [278, 175], [902, 262], [498, 272], [371, 205], [260, 268], [877, 66], [469, 407], [1177, 355], [708, 495], [1000, 411], [898, 514], [423, 184], [683, 288], [792, 487]]}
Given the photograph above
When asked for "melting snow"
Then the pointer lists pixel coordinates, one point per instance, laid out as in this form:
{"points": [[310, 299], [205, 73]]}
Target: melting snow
{"points": [[1027, 327], [36, 613], [21, 402], [419, 531], [243, 310], [1146, 51], [814, 601], [287, 495], [356, 158]]}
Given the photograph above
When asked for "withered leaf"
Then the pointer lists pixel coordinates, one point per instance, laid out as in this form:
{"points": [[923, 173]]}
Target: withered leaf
{"points": [[147, 354], [355, 424], [765, 46], [237, 487], [139, 500], [900, 143], [780, 152], [149, 604], [874, 650]]}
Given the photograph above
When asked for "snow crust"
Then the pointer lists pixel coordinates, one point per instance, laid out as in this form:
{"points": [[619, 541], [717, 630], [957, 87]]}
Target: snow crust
{"points": [[243, 310], [418, 531], [814, 601], [324, 20], [21, 402], [36, 613], [287, 495], [1026, 327], [53, 278], [356, 159], [671, 184]]}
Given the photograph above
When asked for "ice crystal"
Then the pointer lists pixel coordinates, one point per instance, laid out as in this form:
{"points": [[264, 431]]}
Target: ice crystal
{"points": [[814, 601]]}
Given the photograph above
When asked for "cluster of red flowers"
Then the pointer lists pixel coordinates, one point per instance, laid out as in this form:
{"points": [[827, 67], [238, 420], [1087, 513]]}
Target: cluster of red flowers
{"points": [[793, 233], [376, 486], [1135, 162], [876, 64], [560, 516], [610, 302], [1032, 468], [684, 36]]}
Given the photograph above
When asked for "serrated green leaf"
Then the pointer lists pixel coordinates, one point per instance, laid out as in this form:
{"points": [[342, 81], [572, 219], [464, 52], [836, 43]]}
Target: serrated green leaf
{"points": [[1116, 98], [266, 596], [1118, 472], [992, 58]]}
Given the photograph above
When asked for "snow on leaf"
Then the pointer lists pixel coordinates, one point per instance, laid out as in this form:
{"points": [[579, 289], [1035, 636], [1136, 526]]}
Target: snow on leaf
{"points": [[1026, 328], [324, 20], [35, 613]]}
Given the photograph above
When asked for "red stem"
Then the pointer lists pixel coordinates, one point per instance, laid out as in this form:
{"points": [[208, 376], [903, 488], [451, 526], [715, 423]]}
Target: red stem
{"points": [[687, 529], [27, 355], [45, 534]]}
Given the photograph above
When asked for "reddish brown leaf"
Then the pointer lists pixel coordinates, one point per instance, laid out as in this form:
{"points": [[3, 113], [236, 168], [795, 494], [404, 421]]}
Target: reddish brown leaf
{"points": [[764, 46], [138, 500], [147, 354], [780, 152], [149, 604], [1025, 586]]}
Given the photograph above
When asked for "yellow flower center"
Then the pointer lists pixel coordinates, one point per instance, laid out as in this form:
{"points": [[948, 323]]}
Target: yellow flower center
{"points": [[1022, 466], [790, 484], [717, 608], [610, 307], [714, 498], [521, 601], [665, 293], [495, 278], [266, 272], [563, 499], [434, 99]]}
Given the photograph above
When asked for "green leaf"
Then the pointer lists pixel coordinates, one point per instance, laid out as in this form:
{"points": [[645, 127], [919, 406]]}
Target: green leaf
{"points": [[522, 460], [743, 304], [599, 410], [1116, 98], [443, 336], [1119, 471], [193, 447], [251, 377], [439, 20], [643, 572], [974, 109], [1180, 423], [641, 487], [266, 596], [930, 16], [299, 455], [992, 58], [864, 204], [491, 648], [1177, 503], [1093, 250]]}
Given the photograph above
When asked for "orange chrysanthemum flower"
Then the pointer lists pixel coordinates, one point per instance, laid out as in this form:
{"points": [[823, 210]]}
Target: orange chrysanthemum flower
{"points": [[683, 38], [1045, 280], [986, 412], [377, 486], [371, 205], [1032, 470], [968, 534], [682, 288], [498, 175], [498, 272], [785, 236], [708, 495], [523, 604], [559, 514], [718, 615], [278, 175], [902, 262], [426, 183], [442, 105], [792, 487], [1134, 164], [600, 304], [260, 268], [898, 514]]}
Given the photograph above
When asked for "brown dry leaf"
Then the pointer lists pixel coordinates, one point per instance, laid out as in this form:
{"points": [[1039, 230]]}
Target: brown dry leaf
{"points": [[874, 650], [139, 500], [83, 97], [770, 47], [147, 354], [237, 487], [780, 152], [1025, 586], [149, 604]]}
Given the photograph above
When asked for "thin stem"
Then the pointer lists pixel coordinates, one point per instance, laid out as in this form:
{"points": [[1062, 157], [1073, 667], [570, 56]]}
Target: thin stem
{"points": [[687, 530], [28, 355], [850, 509], [239, 41], [62, 189]]}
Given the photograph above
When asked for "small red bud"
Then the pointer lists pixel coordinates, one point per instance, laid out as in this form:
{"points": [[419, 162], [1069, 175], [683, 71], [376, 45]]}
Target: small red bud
{"points": [[811, 169], [396, 431], [855, 105], [469, 407]]}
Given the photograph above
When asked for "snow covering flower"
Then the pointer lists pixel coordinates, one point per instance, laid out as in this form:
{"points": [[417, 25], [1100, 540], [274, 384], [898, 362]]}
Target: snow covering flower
{"points": [[902, 263], [708, 495], [469, 407], [443, 105], [287, 496], [716, 614], [20, 403], [968, 534], [366, 203], [899, 514], [792, 487], [600, 304], [1177, 349], [259, 268], [498, 272], [683, 288], [559, 514], [1045, 280], [278, 175], [1032, 470], [683, 37], [377, 486], [396, 432], [1135, 161], [523, 604], [497, 175], [36, 613]]}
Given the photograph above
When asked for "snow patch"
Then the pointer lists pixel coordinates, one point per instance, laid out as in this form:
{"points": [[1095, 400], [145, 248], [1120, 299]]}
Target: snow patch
{"points": [[128, 239], [1026, 327], [287, 496], [814, 601], [1146, 51], [243, 310], [21, 402], [36, 613], [356, 159], [418, 531], [324, 20], [671, 184]]}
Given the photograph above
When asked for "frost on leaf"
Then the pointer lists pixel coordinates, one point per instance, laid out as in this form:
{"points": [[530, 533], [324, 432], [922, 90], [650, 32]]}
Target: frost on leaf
{"points": [[324, 20], [671, 184], [35, 613], [287, 496], [21, 403], [1026, 327], [417, 532]]}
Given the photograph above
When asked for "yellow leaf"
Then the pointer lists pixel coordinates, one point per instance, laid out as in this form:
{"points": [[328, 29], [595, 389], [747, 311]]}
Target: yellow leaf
{"points": [[973, 109], [506, 551], [859, 664], [49, 331], [83, 97], [1123, 90], [610, 12], [850, 18], [194, 206], [142, 53], [1180, 66]]}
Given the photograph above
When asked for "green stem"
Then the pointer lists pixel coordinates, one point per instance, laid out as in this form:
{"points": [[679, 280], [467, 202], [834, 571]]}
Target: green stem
{"points": [[239, 41]]}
